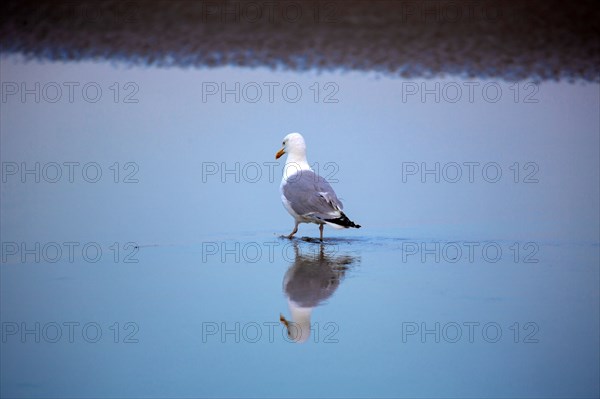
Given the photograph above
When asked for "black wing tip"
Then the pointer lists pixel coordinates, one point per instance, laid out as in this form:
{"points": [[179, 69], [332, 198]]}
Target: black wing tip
{"points": [[344, 222]]}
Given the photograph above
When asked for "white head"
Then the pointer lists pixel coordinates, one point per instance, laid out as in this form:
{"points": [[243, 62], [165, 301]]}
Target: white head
{"points": [[293, 144], [298, 330]]}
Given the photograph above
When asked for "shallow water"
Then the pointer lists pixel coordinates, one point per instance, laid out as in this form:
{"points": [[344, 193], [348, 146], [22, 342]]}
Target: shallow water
{"points": [[165, 279], [205, 321]]}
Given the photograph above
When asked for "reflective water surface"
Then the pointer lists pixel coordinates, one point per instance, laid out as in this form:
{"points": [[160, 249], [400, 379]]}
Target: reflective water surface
{"points": [[166, 275], [358, 317]]}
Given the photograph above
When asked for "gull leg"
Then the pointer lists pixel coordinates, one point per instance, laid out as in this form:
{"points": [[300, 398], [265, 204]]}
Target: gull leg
{"points": [[321, 230], [294, 232]]}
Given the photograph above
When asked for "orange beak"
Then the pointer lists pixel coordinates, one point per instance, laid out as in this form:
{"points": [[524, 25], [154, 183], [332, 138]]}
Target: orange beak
{"points": [[279, 154]]}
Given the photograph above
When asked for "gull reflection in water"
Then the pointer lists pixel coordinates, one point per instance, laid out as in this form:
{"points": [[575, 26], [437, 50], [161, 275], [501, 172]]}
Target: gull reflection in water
{"points": [[310, 280]]}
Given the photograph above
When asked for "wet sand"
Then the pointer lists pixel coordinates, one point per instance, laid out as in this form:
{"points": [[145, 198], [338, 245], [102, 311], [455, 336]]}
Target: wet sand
{"points": [[539, 40]]}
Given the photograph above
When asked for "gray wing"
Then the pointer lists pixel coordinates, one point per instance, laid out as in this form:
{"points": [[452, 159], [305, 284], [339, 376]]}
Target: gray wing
{"points": [[310, 194]]}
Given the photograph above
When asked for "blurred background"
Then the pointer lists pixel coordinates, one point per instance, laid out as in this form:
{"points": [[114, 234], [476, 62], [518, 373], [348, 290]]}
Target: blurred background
{"points": [[142, 136]]}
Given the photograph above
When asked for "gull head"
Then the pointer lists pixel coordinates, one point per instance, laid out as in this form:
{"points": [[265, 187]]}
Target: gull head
{"points": [[294, 145], [298, 330]]}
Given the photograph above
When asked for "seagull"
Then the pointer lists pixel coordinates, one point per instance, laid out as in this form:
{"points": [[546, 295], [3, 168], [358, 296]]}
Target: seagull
{"points": [[308, 283], [308, 197]]}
